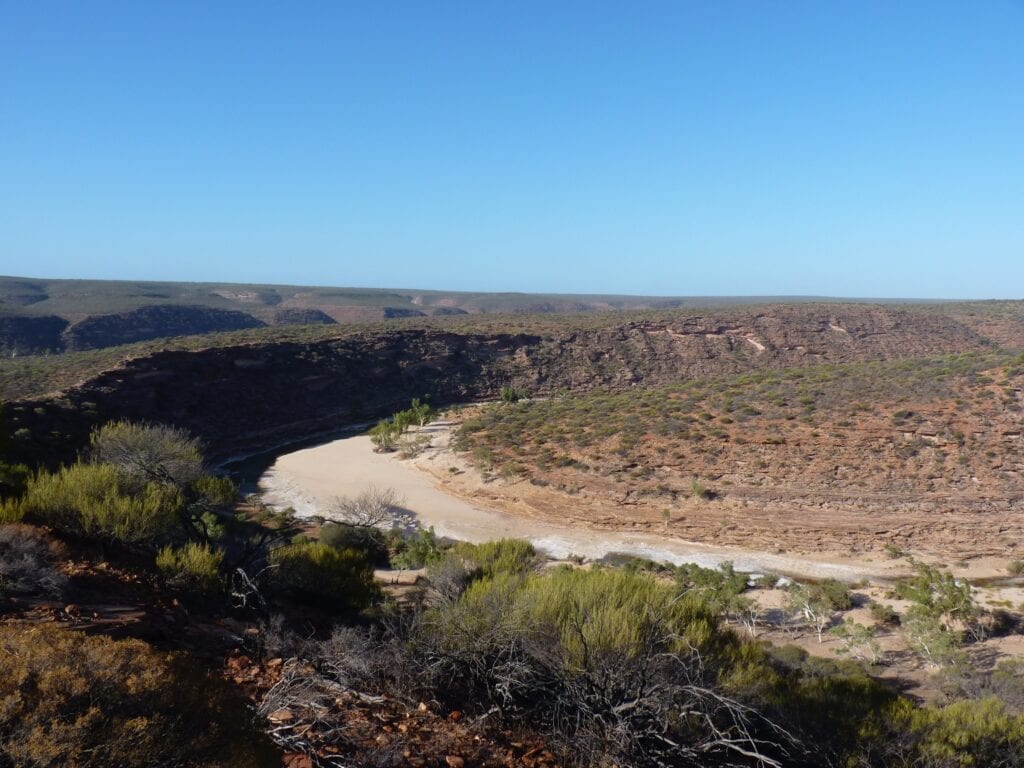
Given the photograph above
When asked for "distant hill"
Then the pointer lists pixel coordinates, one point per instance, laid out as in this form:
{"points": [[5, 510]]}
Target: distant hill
{"points": [[42, 315]]}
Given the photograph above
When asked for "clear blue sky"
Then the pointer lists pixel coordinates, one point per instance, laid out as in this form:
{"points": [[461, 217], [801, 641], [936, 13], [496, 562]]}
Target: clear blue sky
{"points": [[846, 148]]}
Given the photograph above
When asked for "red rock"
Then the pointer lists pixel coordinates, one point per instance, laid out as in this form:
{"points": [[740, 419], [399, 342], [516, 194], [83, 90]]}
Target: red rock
{"points": [[455, 716], [298, 761], [455, 761]]}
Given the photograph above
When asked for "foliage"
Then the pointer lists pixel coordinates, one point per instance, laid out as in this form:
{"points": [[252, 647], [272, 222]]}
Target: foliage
{"points": [[319, 574], [416, 550], [13, 480], [148, 453], [510, 395], [372, 542], [192, 566], [28, 560], [858, 640], [385, 435], [943, 609], [503, 556], [98, 501], [816, 604], [614, 664], [89, 702]]}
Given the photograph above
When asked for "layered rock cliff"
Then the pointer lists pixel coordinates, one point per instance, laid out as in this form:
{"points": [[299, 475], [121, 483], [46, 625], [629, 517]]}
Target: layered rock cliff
{"points": [[238, 398]]}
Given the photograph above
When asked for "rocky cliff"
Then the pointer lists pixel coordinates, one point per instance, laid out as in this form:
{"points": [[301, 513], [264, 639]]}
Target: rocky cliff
{"points": [[241, 397]]}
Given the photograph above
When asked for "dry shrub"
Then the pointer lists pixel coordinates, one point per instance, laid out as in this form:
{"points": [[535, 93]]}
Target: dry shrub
{"points": [[28, 559], [79, 701]]}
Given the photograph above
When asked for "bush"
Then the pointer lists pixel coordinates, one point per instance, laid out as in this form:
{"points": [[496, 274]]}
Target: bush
{"points": [[90, 702], [28, 560], [616, 665], [416, 551], [148, 453], [504, 556], [369, 541], [320, 574], [98, 501], [192, 566], [13, 480]]}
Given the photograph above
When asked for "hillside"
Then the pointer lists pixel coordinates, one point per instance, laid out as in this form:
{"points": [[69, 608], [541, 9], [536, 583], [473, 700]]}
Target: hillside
{"points": [[925, 452], [261, 386], [107, 313]]}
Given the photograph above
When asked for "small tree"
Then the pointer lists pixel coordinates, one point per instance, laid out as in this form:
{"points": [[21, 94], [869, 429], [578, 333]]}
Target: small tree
{"points": [[384, 436], [421, 412], [816, 604], [858, 641]]}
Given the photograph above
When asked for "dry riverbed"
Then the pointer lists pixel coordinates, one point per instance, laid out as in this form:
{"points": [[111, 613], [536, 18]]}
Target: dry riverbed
{"points": [[439, 488]]}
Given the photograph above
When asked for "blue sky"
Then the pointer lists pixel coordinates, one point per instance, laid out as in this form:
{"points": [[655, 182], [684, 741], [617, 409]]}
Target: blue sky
{"points": [[730, 148]]}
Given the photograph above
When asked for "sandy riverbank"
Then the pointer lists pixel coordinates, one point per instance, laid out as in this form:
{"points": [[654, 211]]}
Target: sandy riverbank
{"points": [[310, 479]]}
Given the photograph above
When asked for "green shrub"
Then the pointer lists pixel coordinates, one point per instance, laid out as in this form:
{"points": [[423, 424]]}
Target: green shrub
{"points": [[98, 501], [192, 566], [13, 480], [416, 551], [11, 511], [370, 541], [148, 453], [79, 701], [320, 574], [512, 556]]}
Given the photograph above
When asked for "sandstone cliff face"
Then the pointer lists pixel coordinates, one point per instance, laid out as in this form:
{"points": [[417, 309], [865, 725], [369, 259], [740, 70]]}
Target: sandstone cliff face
{"points": [[242, 397]]}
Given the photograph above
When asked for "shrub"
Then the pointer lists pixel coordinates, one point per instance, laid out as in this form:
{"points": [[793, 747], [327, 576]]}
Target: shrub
{"points": [[509, 556], [27, 562], [416, 551], [148, 452], [192, 566], [98, 501], [615, 664], [317, 573], [370, 541], [89, 702], [13, 480]]}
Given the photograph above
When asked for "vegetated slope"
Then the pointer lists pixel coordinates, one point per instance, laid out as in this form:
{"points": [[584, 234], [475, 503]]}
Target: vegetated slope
{"points": [[153, 322], [244, 395], [31, 335], [302, 317], [927, 453]]}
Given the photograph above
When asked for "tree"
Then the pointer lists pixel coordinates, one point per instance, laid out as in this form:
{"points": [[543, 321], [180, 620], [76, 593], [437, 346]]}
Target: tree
{"points": [[858, 641], [384, 435], [421, 412], [816, 604]]}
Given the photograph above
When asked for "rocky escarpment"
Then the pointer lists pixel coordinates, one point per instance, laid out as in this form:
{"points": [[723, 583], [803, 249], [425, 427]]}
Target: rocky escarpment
{"points": [[154, 322], [27, 335], [245, 396]]}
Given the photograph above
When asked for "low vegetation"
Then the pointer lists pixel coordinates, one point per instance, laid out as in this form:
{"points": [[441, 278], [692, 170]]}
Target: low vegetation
{"points": [[77, 701]]}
